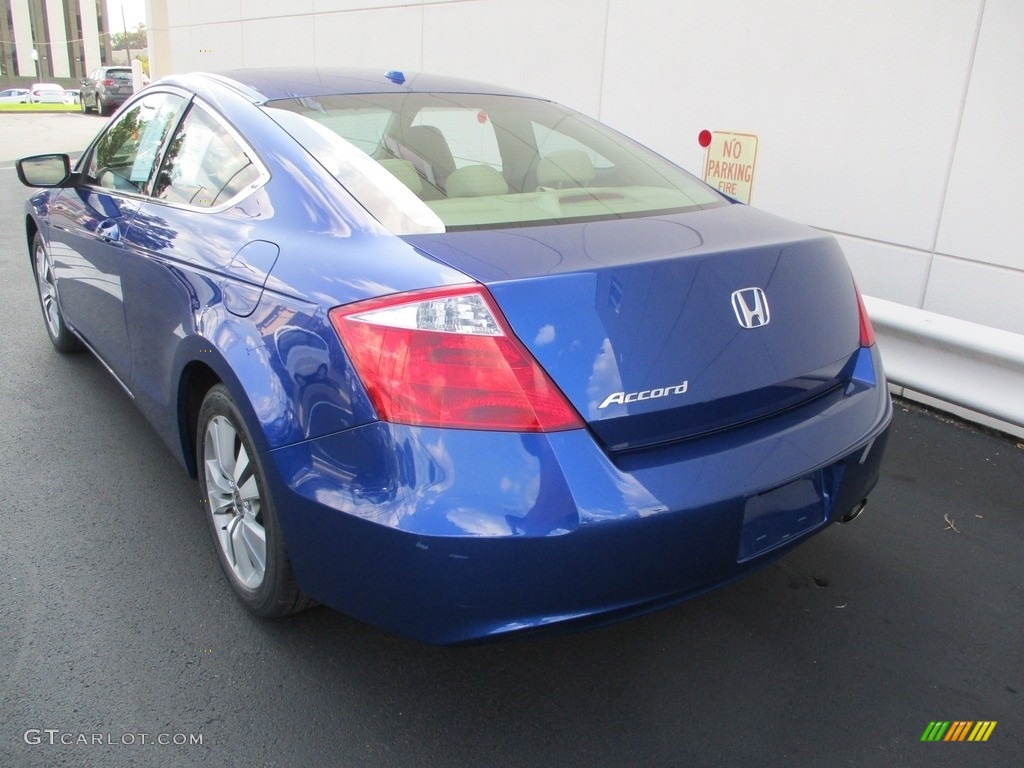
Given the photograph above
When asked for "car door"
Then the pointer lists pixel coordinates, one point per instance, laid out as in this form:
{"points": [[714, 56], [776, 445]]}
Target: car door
{"points": [[186, 257], [88, 223]]}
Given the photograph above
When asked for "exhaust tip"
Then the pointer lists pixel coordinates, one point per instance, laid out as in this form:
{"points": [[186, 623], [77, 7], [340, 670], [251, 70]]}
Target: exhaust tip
{"points": [[850, 516]]}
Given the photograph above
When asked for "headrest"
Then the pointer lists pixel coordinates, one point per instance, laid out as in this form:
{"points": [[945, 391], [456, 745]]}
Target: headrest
{"points": [[428, 143], [565, 168]]}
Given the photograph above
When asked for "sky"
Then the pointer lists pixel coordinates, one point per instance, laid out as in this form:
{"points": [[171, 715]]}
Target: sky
{"points": [[134, 14]]}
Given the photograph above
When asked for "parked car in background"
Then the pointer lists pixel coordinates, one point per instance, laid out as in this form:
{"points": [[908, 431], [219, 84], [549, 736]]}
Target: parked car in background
{"points": [[454, 360], [46, 93], [72, 96], [14, 96], [106, 89]]}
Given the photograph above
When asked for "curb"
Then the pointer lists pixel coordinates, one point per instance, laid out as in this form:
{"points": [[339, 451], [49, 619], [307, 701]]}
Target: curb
{"points": [[75, 111]]}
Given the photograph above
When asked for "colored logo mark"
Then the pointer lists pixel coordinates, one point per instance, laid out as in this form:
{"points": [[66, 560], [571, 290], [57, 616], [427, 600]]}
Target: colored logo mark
{"points": [[958, 730]]}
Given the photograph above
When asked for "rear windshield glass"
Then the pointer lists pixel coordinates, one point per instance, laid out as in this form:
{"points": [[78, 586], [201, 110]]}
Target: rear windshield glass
{"points": [[483, 161], [119, 74]]}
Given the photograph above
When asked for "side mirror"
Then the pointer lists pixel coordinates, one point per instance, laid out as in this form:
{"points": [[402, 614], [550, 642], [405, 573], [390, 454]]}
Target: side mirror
{"points": [[44, 170]]}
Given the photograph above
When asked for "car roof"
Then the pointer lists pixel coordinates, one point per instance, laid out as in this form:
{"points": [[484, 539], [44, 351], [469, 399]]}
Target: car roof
{"points": [[269, 84]]}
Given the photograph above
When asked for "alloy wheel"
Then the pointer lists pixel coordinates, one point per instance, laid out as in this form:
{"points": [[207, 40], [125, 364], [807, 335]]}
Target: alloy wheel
{"points": [[235, 502], [47, 290]]}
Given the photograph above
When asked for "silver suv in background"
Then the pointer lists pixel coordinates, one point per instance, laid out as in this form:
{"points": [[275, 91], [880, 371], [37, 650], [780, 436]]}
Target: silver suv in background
{"points": [[106, 89]]}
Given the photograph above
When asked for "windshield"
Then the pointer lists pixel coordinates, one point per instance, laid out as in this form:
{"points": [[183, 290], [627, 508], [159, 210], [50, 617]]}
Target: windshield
{"points": [[484, 161]]}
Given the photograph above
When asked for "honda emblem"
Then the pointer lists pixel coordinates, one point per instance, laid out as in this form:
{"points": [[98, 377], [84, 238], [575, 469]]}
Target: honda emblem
{"points": [[751, 307]]}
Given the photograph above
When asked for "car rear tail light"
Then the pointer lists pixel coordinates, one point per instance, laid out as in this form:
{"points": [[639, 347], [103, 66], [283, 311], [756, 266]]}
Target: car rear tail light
{"points": [[109, 83], [867, 331], [446, 357]]}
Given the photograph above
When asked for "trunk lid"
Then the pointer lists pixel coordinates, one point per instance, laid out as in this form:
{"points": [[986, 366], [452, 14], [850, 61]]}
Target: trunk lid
{"points": [[663, 328]]}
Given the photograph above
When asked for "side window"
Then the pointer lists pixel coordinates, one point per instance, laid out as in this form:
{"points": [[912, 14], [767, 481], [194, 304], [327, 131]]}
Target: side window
{"points": [[204, 165], [124, 156]]}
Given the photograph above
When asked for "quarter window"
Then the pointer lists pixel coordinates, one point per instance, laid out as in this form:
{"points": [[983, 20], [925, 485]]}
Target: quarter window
{"points": [[204, 165]]}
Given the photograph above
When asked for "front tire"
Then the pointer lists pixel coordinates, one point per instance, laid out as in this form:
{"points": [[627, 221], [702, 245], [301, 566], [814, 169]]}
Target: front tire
{"points": [[240, 511], [60, 335]]}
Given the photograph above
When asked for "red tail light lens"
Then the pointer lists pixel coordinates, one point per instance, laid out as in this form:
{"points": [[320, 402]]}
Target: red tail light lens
{"points": [[446, 357], [109, 83], [867, 331]]}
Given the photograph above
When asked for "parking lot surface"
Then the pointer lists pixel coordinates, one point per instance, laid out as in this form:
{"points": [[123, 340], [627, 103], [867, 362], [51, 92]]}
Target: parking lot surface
{"points": [[23, 134], [121, 645]]}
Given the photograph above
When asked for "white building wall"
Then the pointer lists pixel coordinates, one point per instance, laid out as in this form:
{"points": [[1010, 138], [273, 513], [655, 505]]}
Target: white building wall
{"points": [[891, 124], [978, 266], [90, 35], [57, 32], [22, 23]]}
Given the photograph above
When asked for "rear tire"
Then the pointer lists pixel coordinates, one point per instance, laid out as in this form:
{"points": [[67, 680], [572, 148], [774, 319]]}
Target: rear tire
{"points": [[60, 335], [240, 511], [101, 108], [85, 109]]}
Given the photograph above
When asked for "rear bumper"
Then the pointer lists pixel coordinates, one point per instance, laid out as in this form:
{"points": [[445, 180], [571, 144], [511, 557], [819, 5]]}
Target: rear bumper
{"points": [[451, 536]]}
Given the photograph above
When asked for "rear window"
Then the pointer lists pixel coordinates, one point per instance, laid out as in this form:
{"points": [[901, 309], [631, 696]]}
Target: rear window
{"points": [[119, 74], [484, 161]]}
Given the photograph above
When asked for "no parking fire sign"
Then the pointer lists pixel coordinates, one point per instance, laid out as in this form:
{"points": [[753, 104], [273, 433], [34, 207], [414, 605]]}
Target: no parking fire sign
{"points": [[729, 165]]}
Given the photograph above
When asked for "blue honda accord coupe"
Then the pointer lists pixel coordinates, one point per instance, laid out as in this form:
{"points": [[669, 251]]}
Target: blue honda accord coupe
{"points": [[454, 360]]}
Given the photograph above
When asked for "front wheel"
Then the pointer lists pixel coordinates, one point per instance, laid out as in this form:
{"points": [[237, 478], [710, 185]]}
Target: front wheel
{"points": [[46, 285], [240, 511]]}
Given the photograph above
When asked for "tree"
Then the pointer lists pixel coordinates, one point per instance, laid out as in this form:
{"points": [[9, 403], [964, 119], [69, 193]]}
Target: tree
{"points": [[136, 39]]}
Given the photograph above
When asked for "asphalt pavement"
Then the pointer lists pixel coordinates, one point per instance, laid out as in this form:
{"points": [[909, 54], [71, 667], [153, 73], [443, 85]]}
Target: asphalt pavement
{"points": [[118, 632], [27, 133]]}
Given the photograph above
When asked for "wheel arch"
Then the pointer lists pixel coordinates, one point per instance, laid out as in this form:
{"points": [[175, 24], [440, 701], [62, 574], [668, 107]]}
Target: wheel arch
{"points": [[31, 230], [229, 361], [197, 379]]}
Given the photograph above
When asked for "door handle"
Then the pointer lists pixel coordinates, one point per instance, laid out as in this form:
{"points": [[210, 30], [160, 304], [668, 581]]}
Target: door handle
{"points": [[109, 230]]}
